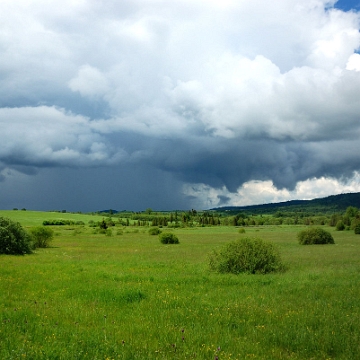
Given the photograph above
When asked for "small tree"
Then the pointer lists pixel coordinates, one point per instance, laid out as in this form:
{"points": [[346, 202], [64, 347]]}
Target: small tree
{"points": [[14, 240], [315, 236], [41, 236]]}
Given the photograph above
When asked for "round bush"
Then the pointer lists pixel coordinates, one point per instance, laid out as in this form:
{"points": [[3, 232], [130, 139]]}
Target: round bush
{"points": [[168, 238], [14, 239], [41, 236], [247, 255], [315, 235], [340, 226], [154, 231]]}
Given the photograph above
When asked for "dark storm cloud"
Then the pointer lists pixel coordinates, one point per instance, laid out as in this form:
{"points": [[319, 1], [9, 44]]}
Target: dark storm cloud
{"points": [[171, 99]]}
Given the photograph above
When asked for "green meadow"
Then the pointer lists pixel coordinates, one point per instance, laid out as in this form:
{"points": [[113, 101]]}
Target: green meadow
{"points": [[127, 296]]}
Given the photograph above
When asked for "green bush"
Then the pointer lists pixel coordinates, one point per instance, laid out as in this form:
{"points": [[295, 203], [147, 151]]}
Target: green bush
{"points": [[154, 231], [103, 225], [247, 255], [340, 226], [58, 222], [14, 240], [108, 232], [41, 236], [168, 238], [242, 231], [357, 229], [315, 235]]}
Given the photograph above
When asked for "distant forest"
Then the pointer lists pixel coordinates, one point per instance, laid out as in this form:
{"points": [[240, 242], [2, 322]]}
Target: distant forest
{"points": [[326, 205], [340, 211]]}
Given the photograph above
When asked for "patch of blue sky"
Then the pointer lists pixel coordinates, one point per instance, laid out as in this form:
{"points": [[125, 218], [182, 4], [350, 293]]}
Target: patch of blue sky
{"points": [[348, 5]]}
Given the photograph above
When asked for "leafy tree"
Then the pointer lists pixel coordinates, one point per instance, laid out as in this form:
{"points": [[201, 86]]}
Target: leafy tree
{"points": [[14, 240], [351, 211]]}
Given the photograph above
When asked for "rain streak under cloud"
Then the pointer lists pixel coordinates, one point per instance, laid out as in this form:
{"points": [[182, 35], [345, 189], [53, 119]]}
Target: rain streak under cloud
{"points": [[182, 104]]}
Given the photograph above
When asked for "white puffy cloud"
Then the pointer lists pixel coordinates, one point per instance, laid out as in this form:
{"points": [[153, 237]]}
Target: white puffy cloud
{"points": [[353, 62], [263, 192], [89, 82], [47, 136]]}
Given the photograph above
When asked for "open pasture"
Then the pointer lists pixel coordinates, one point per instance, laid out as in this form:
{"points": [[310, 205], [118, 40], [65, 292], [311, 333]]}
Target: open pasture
{"points": [[127, 296]]}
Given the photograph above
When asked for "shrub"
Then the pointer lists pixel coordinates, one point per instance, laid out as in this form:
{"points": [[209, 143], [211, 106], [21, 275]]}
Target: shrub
{"points": [[14, 239], [41, 236], [108, 232], [103, 225], [247, 255], [58, 222], [241, 231], [154, 231], [168, 238], [357, 229], [315, 236], [340, 226]]}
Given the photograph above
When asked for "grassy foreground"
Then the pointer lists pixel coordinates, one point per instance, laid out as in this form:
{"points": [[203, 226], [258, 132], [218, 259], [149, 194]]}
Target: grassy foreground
{"points": [[127, 296]]}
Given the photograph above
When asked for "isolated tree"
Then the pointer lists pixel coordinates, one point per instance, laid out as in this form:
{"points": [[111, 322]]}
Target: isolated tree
{"points": [[14, 240]]}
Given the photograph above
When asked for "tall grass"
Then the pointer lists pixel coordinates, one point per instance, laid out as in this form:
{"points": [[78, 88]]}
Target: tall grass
{"points": [[130, 297]]}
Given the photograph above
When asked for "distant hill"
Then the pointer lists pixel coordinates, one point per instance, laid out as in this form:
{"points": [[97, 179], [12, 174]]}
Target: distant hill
{"points": [[329, 204]]}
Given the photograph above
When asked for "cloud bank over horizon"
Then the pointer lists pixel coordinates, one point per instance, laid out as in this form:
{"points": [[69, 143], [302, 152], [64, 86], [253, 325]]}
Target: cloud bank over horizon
{"points": [[176, 105]]}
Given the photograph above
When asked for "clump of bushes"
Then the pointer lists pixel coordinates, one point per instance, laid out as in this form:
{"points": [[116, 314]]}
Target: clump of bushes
{"points": [[242, 231], [41, 236], [168, 238], [14, 240], [58, 222], [315, 235], [154, 231], [247, 255]]}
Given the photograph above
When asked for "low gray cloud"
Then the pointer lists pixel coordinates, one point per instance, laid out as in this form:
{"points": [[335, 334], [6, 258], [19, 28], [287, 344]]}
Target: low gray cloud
{"points": [[208, 93]]}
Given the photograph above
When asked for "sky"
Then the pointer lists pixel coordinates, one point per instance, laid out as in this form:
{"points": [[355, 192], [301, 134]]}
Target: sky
{"points": [[177, 104]]}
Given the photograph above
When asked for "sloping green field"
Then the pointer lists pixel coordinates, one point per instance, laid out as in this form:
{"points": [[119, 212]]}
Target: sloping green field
{"points": [[127, 296]]}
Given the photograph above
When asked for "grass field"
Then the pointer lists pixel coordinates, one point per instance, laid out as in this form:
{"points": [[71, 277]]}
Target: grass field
{"points": [[127, 296]]}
